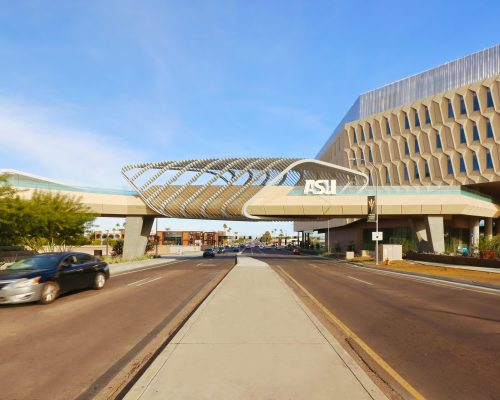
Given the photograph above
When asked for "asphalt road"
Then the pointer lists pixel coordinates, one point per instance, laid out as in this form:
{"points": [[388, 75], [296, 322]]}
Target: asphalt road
{"points": [[75, 346], [443, 339]]}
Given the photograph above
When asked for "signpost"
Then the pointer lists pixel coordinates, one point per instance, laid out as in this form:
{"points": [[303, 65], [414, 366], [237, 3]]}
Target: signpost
{"points": [[377, 236]]}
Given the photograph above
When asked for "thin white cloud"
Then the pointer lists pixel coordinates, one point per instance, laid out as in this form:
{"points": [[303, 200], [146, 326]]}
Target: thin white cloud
{"points": [[35, 140]]}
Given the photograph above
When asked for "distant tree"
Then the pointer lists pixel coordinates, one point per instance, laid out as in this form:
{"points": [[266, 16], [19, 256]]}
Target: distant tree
{"points": [[118, 248], [45, 219], [53, 220], [266, 237], [10, 204], [150, 245]]}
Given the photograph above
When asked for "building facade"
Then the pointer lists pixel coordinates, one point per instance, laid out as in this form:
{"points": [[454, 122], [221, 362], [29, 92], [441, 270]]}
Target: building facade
{"points": [[438, 129]]}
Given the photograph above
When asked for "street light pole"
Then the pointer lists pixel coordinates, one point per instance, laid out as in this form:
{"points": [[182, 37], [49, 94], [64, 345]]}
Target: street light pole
{"points": [[374, 182], [328, 237]]}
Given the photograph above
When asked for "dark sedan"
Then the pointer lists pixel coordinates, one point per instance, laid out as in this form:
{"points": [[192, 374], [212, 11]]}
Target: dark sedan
{"points": [[209, 253], [45, 276]]}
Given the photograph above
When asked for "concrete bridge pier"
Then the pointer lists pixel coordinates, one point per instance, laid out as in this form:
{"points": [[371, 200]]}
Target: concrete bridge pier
{"points": [[430, 233], [137, 230]]}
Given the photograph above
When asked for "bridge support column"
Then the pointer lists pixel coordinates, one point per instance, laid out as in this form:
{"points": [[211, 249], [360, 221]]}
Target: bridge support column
{"points": [[474, 232], [137, 230], [488, 227], [430, 233]]}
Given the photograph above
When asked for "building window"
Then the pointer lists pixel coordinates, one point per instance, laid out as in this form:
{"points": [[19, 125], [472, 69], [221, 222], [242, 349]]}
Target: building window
{"points": [[370, 157], [427, 116], [371, 133], [475, 132], [407, 175], [489, 98], [417, 147], [387, 176], [438, 140], [427, 173], [475, 102], [462, 135], [489, 160], [354, 138], [387, 127], [362, 134], [450, 166], [462, 164], [475, 163], [450, 109], [407, 123], [417, 120], [417, 175], [489, 129], [463, 110], [407, 149]]}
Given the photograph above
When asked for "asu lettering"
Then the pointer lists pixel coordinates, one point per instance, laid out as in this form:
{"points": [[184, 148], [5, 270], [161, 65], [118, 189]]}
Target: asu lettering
{"points": [[321, 186]]}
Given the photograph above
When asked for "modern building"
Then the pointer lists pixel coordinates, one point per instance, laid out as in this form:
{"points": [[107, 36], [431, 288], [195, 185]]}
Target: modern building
{"points": [[431, 134], [191, 238]]}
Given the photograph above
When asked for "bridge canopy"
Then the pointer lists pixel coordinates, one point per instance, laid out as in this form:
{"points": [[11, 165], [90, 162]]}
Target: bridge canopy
{"points": [[225, 188]]}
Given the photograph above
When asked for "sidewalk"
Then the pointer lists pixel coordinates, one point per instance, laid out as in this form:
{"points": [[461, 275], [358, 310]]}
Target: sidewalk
{"points": [[253, 338]]}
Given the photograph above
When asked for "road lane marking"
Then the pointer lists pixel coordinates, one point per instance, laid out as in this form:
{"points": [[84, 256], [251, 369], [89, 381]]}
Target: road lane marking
{"points": [[145, 283], [379, 360], [205, 265], [359, 280], [314, 266], [140, 280]]}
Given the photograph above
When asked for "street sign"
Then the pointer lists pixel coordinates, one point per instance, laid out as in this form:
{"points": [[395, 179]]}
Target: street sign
{"points": [[377, 236]]}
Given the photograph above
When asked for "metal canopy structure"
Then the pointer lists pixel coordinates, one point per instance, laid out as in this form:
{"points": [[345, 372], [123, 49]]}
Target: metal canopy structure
{"points": [[222, 189]]}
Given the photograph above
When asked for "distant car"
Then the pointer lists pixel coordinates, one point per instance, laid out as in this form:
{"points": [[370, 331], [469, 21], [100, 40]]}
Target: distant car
{"points": [[209, 253], [44, 277], [296, 250], [221, 250]]}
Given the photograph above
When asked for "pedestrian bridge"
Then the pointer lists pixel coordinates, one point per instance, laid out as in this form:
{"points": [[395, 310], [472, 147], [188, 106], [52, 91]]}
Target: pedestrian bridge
{"points": [[276, 202]]}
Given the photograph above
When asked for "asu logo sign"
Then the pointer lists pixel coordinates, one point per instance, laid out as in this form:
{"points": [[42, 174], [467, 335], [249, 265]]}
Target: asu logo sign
{"points": [[322, 186]]}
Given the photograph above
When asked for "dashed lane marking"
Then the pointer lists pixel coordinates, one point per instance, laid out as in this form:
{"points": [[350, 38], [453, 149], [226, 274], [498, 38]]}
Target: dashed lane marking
{"points": [[379, 360], [145, 283], [140, 280], [359, 280]]}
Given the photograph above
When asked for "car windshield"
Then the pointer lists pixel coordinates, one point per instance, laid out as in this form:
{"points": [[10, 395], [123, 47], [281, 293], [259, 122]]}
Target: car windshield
{"points": [[209, 249], [35, 263]]}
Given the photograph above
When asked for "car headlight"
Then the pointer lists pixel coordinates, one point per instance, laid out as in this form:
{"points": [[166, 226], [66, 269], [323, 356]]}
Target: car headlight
{"points": [[22, 283]]}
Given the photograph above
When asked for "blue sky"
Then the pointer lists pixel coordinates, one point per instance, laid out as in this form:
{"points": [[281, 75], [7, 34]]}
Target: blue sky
{"points": [[89, 86]]}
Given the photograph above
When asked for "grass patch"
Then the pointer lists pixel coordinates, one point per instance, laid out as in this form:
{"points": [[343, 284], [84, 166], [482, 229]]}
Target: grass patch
{"points": [[117, 260]]}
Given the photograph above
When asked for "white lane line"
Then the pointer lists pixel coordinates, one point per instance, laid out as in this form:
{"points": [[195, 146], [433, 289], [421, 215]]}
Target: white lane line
{"points": [[144, 283], [359, 280], [312, 265], [140, 280], [205, 265]]}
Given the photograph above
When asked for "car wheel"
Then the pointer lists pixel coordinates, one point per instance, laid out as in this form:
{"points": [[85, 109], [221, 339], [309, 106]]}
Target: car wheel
{"points": [[99, 281], [50, 291]]}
